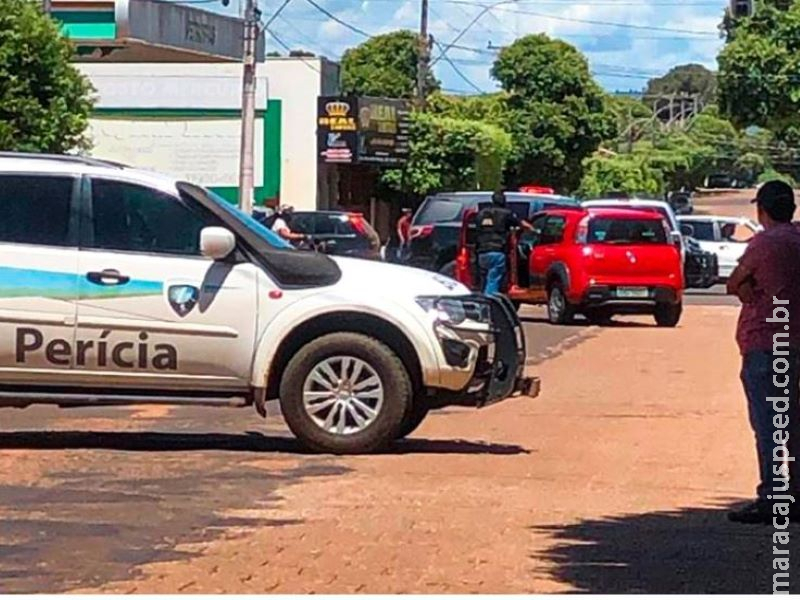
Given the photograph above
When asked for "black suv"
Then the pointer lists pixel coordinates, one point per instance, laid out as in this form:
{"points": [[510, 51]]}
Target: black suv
{"points": [[336, 232], [701, 268], [436, 226]]}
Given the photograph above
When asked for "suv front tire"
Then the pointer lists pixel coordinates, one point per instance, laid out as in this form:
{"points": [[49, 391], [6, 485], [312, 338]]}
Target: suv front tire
{"points": [[345, 393]]}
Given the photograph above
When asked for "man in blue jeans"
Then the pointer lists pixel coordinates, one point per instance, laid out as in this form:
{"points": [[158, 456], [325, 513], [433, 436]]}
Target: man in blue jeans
{"points": [[767, 281], [494, 225]]}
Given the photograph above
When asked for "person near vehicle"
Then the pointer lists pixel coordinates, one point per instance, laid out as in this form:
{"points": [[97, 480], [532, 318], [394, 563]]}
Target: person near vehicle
{"points": [[281, 227], [767, 281], [403, 231], [494, 225]]}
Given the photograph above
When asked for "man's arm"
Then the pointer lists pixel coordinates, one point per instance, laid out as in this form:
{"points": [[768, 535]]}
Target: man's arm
{"points": [[288, 234], [740, 283]]}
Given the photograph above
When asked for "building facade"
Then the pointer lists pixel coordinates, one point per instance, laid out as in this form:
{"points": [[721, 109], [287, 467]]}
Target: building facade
{"points": [[168, 91]]}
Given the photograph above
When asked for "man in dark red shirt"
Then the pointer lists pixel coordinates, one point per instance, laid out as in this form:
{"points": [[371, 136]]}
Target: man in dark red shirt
{"points": [[767, 281], [403, 232]]}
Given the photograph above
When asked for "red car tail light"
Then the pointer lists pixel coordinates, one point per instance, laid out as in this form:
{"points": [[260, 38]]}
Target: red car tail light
{"points": [[358, 223], [420, 231]]}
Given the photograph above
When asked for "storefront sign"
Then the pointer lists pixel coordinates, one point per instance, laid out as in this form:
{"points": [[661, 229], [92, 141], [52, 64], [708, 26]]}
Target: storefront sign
{"points": [[337, 139], [383, 130], [363, 130]]}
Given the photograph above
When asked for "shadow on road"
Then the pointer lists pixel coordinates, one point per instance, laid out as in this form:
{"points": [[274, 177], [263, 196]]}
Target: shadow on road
{"points": [[146, 441], [422, 446], [692, 550], [583, 324]]}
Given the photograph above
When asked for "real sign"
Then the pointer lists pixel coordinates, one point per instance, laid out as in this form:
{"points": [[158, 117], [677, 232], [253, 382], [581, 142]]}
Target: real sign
{"points": [[363, 130]]}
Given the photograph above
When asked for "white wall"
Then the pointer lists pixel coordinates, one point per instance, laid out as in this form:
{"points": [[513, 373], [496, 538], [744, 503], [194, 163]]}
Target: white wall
{"points": [[170, 85], [202, 149], [297, 84]]}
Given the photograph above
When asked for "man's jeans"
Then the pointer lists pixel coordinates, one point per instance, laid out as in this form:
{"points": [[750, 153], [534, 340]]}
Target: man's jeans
{"points": [[758, 369], [493, 271]]}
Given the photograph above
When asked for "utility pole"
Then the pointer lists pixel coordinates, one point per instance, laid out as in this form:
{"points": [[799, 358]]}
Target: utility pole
{"points": [[423, 56], [47, 6], [246, 153]]}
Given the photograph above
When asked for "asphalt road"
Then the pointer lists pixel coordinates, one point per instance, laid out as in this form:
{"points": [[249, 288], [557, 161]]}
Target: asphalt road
{"points": [[714, 296]]}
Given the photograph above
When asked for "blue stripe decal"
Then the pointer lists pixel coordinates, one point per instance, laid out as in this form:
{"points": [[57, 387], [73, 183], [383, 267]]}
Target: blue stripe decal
{"points": [[33, 283]]}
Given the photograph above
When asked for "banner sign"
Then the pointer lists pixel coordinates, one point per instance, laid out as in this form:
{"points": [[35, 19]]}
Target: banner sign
{"points": [[354, 130]]}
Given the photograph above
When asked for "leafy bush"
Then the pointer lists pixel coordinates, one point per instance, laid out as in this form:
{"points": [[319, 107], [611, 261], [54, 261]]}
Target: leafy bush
{"points": [[772, 175], [621, 173], [451, 154], [44, 100]]}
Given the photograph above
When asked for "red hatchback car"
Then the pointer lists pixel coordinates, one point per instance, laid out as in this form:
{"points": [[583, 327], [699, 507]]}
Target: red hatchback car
{"points": [[598, 262]]}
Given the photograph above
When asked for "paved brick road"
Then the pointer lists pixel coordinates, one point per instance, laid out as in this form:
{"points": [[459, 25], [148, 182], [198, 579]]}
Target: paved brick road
{"points": [[615, 480]]}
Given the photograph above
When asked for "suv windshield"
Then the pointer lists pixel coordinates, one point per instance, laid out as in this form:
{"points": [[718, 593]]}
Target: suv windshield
{"points": [[604, 230]]}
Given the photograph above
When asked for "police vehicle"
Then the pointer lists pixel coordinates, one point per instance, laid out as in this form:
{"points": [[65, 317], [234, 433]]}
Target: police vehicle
{"points": [[120, 286]]}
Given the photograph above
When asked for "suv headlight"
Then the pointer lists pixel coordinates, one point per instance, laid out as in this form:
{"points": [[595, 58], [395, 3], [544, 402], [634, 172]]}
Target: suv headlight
{"points": [[456, 311]]}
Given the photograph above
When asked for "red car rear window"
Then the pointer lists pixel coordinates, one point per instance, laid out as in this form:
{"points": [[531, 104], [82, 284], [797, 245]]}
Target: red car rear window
{"points": [[603, 230]]}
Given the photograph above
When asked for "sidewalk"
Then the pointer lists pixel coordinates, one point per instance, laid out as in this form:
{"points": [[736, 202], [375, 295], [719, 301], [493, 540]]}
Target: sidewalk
{"points": [[615, 480]]}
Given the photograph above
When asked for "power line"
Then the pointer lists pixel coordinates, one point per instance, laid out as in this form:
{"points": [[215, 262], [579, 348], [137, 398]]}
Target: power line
{"points": [[301, 35], [498, 6], [341, 22], [642, 3], [289, 49], [458, 71], [465, 29]]}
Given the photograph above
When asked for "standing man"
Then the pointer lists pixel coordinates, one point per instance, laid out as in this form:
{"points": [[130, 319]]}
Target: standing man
{"points": [[767, 281], [494, 225], [403, 232]]}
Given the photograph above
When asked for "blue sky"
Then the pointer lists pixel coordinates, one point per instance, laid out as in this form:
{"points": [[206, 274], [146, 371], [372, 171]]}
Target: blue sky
{"points": [[655, 34]]}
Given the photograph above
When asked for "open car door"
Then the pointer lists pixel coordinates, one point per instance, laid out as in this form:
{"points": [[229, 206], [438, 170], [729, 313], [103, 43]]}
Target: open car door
{"points": [[467, 271]]}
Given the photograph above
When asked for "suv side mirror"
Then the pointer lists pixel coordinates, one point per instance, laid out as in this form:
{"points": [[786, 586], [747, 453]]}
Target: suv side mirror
{"points": [[216, 243], [687, 230], [677, 238]]}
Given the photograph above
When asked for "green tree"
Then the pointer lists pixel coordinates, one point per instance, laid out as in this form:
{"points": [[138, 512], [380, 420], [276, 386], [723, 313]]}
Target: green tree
{"points": [[451, 154], [620, 173], [556, 112], [44, 101], [684, 79], [759, 69], [491, 108], [385, 65]]}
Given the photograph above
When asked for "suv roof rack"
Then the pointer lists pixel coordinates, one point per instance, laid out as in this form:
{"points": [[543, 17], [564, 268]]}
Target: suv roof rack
{"points": [[71, 158]]}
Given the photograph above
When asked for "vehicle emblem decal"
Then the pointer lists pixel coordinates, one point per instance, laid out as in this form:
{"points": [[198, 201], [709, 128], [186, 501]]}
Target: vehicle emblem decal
{"points": [[183, 298]]}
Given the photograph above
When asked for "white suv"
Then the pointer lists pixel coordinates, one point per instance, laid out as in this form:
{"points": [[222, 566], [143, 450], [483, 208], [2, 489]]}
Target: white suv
{"points": [[119, 286]]}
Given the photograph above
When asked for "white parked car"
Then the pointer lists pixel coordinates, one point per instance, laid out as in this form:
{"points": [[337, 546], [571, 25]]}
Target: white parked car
{"points": [[120, 286], [663, 208], [726, 237]]}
